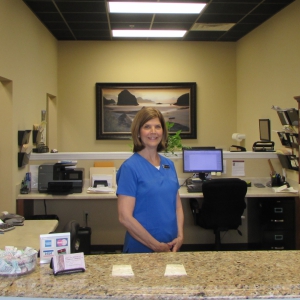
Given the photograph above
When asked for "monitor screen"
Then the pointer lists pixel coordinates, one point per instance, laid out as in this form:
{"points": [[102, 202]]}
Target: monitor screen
{"points": [[202, 160], [264, 130]]}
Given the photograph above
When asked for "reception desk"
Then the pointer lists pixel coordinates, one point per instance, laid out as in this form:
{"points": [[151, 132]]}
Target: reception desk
{"points": [[210, 275], [24, 202], [108, 231]]}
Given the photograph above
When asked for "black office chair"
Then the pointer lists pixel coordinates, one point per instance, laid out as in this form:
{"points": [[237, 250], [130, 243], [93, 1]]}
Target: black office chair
{"points": [[73, 227], [223, 206]]}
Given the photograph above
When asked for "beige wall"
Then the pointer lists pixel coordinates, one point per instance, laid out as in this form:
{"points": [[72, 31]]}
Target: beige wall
{"points": [[268, 64], [82, 64], [236, 85], [28, 71]]}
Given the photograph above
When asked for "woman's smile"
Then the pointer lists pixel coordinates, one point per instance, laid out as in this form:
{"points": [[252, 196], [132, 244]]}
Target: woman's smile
{"points": [[151, 133]]}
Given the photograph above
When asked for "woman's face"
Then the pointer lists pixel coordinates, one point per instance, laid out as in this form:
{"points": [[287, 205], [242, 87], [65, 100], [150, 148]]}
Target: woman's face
{"points": [[151, 133]]}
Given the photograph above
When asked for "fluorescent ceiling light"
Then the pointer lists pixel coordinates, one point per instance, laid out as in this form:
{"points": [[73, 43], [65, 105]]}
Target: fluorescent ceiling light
{"points": [[148, 33], [212, 26], [155, 7]]}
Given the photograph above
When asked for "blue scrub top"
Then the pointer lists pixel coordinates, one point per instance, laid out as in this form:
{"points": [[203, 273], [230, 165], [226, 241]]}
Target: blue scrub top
{"points": [[155, 192]]}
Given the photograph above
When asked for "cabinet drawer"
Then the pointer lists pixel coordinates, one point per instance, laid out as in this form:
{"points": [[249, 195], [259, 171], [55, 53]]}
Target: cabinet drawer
{"points": [[278, 214], [278, 240]]}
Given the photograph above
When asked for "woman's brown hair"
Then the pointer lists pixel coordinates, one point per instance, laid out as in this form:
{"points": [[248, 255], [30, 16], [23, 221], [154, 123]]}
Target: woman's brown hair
{"points": [[142, 117]]}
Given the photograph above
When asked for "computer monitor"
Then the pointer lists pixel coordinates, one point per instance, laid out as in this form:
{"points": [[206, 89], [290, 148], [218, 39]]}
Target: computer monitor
{"points": [[264, 130], [202, 160]]}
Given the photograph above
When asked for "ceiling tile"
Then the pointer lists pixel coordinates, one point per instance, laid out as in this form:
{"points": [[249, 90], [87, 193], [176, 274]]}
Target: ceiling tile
{"points": [[90, 20]]}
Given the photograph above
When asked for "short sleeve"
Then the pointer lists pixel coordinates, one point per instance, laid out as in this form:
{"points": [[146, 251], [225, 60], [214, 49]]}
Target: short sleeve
{"points": [[126, 181]]}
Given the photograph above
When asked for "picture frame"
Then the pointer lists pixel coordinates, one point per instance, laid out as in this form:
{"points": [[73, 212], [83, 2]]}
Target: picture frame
{"points": [[117, 104]]}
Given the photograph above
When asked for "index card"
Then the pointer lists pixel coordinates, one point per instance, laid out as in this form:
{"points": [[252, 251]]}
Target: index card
{"points": [[175, 270], [122, 270]]}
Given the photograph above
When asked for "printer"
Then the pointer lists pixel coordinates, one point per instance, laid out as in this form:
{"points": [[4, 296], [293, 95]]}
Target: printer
{"points": [[60, 179]]}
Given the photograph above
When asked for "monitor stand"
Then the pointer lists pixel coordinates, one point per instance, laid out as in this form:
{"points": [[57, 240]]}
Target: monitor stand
{"points": [[202, 176]]}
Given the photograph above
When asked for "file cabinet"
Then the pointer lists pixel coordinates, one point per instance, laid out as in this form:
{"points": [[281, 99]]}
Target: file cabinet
{"points": [[277, 219]]}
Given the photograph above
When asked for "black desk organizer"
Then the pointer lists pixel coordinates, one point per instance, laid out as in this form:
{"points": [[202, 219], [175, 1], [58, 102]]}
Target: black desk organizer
{"points": [[262, 146]]}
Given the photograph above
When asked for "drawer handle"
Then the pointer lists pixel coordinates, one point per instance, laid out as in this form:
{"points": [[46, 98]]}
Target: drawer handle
{"points": [[277, 221], [278, 237], [277, 248], [278, 210]]}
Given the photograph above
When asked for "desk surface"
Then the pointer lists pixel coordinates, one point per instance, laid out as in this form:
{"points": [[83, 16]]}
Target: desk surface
{"points": [[27, 235], [210, 275], [251, 192]]}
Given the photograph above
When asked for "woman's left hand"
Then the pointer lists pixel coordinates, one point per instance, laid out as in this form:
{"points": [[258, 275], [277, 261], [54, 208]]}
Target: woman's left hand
{"points": [[175, 244]]}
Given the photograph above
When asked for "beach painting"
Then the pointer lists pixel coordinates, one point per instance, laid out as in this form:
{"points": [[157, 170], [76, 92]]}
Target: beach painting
{"points": [[118, 103]]}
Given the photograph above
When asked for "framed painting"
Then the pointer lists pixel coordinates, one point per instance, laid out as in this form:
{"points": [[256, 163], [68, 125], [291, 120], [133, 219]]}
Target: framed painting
{"points": [[118, 103]]}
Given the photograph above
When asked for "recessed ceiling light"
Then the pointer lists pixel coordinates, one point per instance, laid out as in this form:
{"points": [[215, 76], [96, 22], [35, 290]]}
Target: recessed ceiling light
{"points": [[148, 33], [212, 26], [155, 7]]}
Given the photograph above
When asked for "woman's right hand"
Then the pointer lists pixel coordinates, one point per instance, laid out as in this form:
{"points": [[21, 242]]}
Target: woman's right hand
{"points": [[163, 247]]}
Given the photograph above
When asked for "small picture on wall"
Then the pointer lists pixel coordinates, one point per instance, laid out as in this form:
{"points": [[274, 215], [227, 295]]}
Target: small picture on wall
{"points": [[118, 103]]}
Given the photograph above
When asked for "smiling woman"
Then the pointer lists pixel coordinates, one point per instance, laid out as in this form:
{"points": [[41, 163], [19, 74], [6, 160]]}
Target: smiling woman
{"points": [[149, 205]]}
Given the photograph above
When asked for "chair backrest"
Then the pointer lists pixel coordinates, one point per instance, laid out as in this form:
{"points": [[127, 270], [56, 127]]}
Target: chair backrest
{"points": [[223, 203], [73, 227]]}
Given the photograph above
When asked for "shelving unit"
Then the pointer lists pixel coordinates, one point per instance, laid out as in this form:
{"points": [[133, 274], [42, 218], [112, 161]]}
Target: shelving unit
{"points": [[289, 138], [297, 206]]}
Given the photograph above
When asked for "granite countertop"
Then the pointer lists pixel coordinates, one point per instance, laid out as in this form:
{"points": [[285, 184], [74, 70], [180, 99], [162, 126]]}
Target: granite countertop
{"points": [[210, 275]]}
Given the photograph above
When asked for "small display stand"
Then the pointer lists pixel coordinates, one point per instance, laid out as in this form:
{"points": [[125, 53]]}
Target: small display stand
{"points": [[263, 146]]}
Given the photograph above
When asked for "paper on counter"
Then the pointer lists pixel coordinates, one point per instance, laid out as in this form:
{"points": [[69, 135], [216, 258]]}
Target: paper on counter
{"points": [[175, 270], [122, 270], [284, 189], [100, 190]]}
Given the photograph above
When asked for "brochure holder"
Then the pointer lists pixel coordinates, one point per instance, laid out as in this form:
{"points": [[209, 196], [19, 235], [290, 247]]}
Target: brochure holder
{"points": [[288, 116], [288, 139], [23, 159], [67, 263], [289, 161], [23, 137]]}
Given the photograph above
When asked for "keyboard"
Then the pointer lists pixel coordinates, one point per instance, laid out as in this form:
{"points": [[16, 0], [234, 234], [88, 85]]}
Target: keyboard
{"points": [[6, 227]]}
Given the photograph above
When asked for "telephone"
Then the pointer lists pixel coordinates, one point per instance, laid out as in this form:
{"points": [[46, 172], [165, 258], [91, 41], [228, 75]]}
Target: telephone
{"points": [[12, 219], [236, 148]]}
